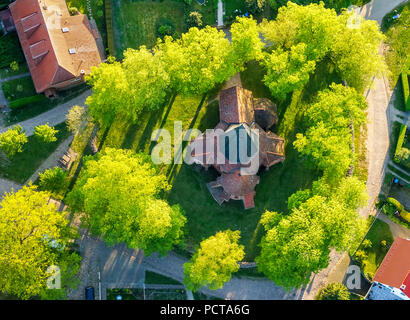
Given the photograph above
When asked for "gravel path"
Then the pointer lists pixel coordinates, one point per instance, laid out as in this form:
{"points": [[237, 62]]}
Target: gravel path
{"points": [[396, 229], [7, 186], [54, 116]]}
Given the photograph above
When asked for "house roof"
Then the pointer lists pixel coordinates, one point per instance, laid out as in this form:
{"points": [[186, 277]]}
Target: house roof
{"points": [[405, 286], [236, 106], [380, 291], [58, 47], [396, 264]]}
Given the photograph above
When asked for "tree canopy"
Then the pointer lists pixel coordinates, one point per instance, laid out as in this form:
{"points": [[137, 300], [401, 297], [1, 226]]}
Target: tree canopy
{"points": [[214, 262], [13, 140], [118, 192], [33, 237], [301, 36], [45, 133], [333, 291], [297, 245]]}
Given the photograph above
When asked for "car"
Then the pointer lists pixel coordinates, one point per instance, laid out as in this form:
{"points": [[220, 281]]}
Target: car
{"points": [[89, 293]]}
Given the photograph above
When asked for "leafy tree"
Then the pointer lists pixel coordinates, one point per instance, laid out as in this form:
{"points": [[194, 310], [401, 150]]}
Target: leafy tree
{"points": [[333, 291], [403, 155], [14, 66], [198, 61], [194, 19], [355, 52], [76, 118], [33, 236], [328, 137], [246, 42], [45, 133], [118, 193], [12, 141], [255, 5], [110, 92], [214, 262], [297, 245], [53, 180]]}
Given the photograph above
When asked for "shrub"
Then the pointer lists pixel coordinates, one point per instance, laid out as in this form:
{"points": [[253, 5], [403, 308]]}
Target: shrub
{"points": [[45, 133], [53, 180], [19, 103], [12, 141], [165, 27], [400, 208], [194, 19], [400, 141], [14, 66], [405, 83], [73, 11], [76, 118], [333, 291]]}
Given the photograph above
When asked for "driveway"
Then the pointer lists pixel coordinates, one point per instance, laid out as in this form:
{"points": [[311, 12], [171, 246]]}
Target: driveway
{"points": [[377, 9], [397, 230]]}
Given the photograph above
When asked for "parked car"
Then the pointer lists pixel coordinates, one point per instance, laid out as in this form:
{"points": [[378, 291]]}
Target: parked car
{"points": [[89, 293]]}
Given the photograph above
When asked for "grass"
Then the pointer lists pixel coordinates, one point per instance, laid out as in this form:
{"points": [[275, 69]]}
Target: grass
{"points": [[156, 278], [375, 254], [204, 216], [165, 294], [136, 22], [126, 294], [10, 50], [24, 164], [398, 40], [18, 88], [38, 108], [8, 72]]}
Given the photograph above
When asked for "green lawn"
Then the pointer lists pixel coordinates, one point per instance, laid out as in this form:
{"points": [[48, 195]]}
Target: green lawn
{"points": [[375, 254], [136, 22], [24, 164], [156, 278], [398, 39], [18, 88], [204, 216]]}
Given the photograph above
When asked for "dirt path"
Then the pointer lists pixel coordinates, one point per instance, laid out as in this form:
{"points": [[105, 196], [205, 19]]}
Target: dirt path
{"points": [[396, 229]]}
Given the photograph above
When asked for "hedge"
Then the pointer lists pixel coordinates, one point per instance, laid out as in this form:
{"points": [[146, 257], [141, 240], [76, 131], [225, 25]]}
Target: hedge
{"points": [[400, 140], [16, 104], [108, 22], [405, 83], [403, 213]]}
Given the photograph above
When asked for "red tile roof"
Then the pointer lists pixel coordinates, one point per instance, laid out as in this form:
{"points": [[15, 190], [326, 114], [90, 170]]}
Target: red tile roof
{"points": [[405, 286], [39, 25], [236, 106], [396, 264]]}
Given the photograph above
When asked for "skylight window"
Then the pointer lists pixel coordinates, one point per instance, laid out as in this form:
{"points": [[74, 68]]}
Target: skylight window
{"points": [[65, 29], [71, 50]]}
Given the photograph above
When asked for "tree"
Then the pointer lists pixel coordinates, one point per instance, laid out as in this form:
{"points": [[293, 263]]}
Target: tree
{"points": [[14, 66], [45, 133], [333, 291], [117, 194], [255, 5], [246, 43], [34, 235], [297, 245], [328, 137], [214, 262], [12, 141], [76, 118], [355, 51], [198, 61], [53, 180], [194, 19]]}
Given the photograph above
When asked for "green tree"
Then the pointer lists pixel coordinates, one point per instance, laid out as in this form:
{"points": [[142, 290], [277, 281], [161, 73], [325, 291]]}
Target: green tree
{"points": [[333, 291], [214, 262], [76, 118], [328, 137], [246, 43], [13, 140], [118, 194], [34, 235], [198, 61], [45, 133], [194, 19], [53, 180]]}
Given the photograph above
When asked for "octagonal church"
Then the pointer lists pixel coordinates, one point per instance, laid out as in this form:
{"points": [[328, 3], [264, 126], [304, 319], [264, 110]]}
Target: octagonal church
{"points": [[239, 145]]}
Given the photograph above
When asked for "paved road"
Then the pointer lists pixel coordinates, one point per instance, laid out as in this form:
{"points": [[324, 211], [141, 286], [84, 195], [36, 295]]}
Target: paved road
{"points": [[7, 186], [377, 9], [54, 116]]}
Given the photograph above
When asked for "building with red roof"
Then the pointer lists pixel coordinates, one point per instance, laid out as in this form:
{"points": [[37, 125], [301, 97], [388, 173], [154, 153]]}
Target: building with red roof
{"points": [[220, 148], [394, 271], [59, 48]]}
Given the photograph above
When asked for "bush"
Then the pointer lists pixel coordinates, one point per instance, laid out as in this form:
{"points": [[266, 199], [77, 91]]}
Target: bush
{"points": [[45, 133], [194, 19], [12, 141], [400, 141], [333, 291], [165, 27], [405, 83], [73, 11], [53, 180], [400, 208], [19, 103]]}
